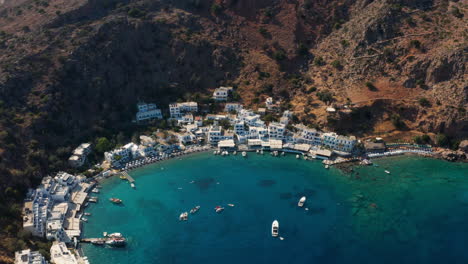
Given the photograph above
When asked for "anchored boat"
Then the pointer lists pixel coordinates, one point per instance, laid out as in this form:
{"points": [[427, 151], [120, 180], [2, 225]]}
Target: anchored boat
{"points": [[195, 209], [301, 201], [183, 216], [275, 228], [115, 200], [219, 209]]}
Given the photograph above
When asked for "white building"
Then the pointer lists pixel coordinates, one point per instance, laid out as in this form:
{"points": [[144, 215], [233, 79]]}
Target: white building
{"points": [[258, 133], [221, 93], [78, 157], [232, 107], [307, 135], [276, 130], [29, 257], [239, 128], [216, 134], [337, 142], [185, 137], [35, 212], [177, 110], [148, 111], [59, 254], [269, 103]]}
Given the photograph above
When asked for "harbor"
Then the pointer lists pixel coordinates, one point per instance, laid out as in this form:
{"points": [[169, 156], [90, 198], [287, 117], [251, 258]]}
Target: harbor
{"points": [[271, 190]]}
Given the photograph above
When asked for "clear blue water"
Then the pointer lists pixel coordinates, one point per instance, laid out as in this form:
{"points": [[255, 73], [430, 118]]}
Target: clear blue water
{"points": [[418, 213]]}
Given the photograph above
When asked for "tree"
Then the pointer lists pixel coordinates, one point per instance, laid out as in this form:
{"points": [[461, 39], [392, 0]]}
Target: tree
{"points": [[424, 102], [263, 31], [319, 61], [279, 55], [216, 9], [325, 96], [103, 145], [442, 140], [371, 86], [336, 64]]}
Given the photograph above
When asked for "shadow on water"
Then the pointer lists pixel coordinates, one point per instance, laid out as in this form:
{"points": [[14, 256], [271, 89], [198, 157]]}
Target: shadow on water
{"points": [[204, 183], [266, 183]]}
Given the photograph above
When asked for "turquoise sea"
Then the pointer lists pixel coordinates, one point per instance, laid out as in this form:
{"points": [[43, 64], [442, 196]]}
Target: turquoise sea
{"points": [[416, 214]]}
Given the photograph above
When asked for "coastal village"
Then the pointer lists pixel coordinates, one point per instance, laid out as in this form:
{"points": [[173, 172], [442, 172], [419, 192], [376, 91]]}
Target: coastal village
{"points": [[55, 209]]}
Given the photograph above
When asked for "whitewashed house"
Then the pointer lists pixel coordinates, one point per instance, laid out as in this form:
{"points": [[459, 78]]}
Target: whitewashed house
{"points": [[221, 93], [276, 130], [29, 257], [59, 254], [78, 158], [308, 135], [147, 112], [239, 128], [185, 137], [232, 107], [338, 142], [177, 110]]}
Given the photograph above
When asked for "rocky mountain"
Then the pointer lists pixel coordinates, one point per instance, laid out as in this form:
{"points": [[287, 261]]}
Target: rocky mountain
{"points": [[73, 70]]}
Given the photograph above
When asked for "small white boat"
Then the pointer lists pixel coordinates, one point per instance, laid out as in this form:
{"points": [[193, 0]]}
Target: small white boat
{"points": [[301, 201], [275, 228], [281, 238], [87, 214], [219, 209], [84, 220], [297, 156], [261, 151], [386, 171], [244, 154], [282, 153], [195, 209], [326, 166], [258, 151], [234, 153], [132, 185], [231, 205], [183, 216]]}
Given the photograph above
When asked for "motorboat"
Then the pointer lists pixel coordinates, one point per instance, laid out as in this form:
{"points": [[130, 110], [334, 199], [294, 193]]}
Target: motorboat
{"points": [[261, 151], [386, 171], [195, 209], [183, 216], [244, 154], [87, 214], [275, 228], [297, 156], [219, 209], [115, 200], [132, 185], [327, 167], [116, 241], [301, 201], [231, 205], [84, 220]]}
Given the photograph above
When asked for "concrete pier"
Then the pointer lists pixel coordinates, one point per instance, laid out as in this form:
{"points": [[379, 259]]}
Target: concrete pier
{"points": [[129, 178]]}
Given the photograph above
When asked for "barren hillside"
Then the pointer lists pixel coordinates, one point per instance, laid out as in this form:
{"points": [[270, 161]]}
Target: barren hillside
{"points": [[73, 70]]}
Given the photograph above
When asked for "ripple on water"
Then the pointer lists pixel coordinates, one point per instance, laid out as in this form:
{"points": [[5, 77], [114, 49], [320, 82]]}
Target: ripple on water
{"points": [[266, 183]]}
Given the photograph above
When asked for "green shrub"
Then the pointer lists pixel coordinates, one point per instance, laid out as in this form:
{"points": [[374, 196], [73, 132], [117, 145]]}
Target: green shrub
{"points": [[279, 55], [319, 61], [336, 64], [371, 86], [415, 44], [263, 31], [216, 9], [424, 102], [325, 96], [136, 13]]}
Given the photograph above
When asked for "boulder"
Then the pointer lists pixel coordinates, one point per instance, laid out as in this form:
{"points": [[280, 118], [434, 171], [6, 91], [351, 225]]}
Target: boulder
{"points": [[463, 146]]}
